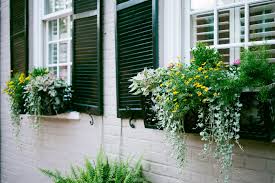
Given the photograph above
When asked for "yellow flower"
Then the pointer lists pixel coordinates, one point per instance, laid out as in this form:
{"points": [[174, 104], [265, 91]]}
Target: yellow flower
{"points": [[175, 92], [28, 78], [206, 89], [190, 95], [186, 82], [177, 73], [200, 69], [199, 93], [203, 64], [197, 76], [21, 78], [161, 85], [206, 77], [176, 107], [215, 94]]}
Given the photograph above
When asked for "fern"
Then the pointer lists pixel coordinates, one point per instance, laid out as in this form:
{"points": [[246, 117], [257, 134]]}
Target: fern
{"points": [[102, 172]]}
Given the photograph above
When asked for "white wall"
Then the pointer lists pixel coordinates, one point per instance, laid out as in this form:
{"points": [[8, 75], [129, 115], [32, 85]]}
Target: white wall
{"points": [[60, 143]]}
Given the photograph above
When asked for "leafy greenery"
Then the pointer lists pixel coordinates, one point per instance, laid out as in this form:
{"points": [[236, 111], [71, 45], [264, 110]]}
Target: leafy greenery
{"points": [[255, 70], [210, 88], [102, 172], [41, 93], [39, 72], [15, 90]]}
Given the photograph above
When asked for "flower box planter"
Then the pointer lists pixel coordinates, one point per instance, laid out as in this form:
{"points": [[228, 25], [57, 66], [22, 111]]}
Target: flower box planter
{"points": [[63, 116], [257, 118]]}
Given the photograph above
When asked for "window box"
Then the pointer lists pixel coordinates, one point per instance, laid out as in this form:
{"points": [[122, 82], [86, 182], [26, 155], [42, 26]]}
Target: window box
{"points": [[257, 118], [63, 116]]}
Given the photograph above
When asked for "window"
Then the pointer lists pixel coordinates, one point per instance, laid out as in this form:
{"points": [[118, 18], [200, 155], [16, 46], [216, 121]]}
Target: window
{"points": [[58, 37], [230, 25]]}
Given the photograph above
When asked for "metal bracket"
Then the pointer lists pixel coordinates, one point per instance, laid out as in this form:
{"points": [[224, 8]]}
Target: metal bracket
{"points": [[131, 124], [92, 121]]}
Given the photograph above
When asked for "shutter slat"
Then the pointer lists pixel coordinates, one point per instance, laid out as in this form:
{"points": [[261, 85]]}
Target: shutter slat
{"points": [[87, 63], [81, 6]]}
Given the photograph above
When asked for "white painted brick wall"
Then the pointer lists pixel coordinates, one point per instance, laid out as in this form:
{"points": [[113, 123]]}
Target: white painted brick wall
{"points": [[60, 143]]}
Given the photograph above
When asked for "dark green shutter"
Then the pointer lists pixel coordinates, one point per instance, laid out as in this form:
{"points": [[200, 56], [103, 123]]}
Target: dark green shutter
{"points": [[87, 63], [19, 35], [137, 48]]}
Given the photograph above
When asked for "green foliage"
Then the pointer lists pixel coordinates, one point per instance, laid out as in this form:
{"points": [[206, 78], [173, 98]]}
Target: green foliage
{"points": [[102, 172], [255, 70], [41, 93], [15, 90], [206, 86], [46, 95], [39, 72], [203, 53]]}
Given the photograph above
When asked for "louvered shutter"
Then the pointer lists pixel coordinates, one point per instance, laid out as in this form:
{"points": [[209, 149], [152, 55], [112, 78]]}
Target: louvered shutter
{"points": [[19, 36], [87, 63], [137, 48]]}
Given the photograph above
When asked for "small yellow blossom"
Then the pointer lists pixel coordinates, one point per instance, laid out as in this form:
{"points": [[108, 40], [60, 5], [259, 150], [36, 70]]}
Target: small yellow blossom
{"points": [[206, 89], [21, 78], [161, 85], [200, 69], [215, 94], [190, 95], [203, 64], [197, 76], [206, 77], [175, 92], [199, 93]]}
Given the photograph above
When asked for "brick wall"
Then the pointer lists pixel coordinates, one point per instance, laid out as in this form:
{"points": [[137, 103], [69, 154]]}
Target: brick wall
{"points": [[60, 143]]}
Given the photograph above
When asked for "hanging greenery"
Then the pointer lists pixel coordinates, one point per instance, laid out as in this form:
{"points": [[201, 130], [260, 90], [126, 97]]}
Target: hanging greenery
{"points": [[207, 88], [41, 93]]}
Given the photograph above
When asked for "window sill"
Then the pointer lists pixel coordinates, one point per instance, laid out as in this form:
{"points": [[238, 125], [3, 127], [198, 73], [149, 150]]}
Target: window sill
{"points": [[64, 116]]}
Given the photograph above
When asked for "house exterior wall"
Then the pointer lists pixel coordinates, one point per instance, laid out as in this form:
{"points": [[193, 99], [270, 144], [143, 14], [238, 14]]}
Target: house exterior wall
{"points": [[60, 143]]}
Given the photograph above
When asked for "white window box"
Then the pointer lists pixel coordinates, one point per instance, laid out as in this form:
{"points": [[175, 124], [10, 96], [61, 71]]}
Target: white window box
{"points": [[64, 116]]}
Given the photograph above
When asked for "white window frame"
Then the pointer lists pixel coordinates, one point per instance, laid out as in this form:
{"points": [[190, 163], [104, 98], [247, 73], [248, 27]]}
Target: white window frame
{"points": [[40, 36], [236, 45]]}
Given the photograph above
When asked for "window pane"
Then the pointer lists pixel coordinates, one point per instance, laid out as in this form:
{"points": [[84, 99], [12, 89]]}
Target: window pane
{"points": [[49, 6], [53, 53], [63, 72], [63, 52], [63, 28], [53, 70], [53, 30], [262, 22], [204, 28], [226, 2], [225, 53], [224, 34], [57, 5], [202, 4], [242, 28]]}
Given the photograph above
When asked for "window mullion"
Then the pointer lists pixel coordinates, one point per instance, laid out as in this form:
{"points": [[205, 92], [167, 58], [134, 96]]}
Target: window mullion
{"points": [[232, 32], [246, 24], [216, 21], [58, 45], [47, 45], [188, 27], [69, 51]]}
